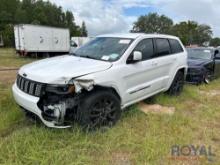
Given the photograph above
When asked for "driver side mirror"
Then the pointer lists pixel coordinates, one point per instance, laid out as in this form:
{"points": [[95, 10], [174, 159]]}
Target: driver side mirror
{"points": [[135, 57]]}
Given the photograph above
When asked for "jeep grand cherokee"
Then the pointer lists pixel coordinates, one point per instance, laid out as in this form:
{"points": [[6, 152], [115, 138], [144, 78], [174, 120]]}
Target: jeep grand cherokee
{"points": [[93, 84]]}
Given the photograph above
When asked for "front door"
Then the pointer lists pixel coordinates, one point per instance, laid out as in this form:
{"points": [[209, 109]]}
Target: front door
{"points": [[145, 77]]}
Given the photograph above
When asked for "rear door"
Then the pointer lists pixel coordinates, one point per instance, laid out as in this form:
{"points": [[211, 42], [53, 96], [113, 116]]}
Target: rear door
{"points": [[167, 52]]}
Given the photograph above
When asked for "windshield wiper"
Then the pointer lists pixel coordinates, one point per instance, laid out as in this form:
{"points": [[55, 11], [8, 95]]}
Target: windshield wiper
{"points": [[90, 57], [73, 54], [193, 58], [84, 56]]}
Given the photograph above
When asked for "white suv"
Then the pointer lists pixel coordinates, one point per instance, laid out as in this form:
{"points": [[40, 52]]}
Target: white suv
{"points": [[101, 78]]}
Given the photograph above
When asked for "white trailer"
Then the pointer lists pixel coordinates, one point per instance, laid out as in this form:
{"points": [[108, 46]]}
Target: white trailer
{"points": [[41, 40]]}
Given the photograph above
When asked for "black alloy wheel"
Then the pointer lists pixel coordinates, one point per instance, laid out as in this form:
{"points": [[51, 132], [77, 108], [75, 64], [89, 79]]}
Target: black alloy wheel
{"points": [[177, 84], [100, 109]]}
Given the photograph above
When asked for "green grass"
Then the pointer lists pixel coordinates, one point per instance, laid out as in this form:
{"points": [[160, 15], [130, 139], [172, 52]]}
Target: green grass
{"points": [[137, 138], [8, 58]]}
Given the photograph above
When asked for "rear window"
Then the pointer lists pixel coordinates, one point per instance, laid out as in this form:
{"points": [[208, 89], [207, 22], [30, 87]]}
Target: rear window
{"points": [[163, 47], [175, 46]]}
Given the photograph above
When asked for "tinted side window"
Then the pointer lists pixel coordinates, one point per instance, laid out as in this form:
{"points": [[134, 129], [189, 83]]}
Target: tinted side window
{"points": [[163, 47], [175, 46], [146, 47]]}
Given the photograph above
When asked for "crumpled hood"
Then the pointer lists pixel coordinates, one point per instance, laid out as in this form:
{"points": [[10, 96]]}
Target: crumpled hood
{"points": [[197, 62], [59, 70]]}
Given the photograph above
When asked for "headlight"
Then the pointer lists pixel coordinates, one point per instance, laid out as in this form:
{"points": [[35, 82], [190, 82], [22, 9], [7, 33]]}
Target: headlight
{"points": [[195, 70], [83, 84], [60, 89]]}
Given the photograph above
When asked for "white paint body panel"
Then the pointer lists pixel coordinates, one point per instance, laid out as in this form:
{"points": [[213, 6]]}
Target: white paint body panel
{"points": [[132, 82], [34, 38], [58, 69]]}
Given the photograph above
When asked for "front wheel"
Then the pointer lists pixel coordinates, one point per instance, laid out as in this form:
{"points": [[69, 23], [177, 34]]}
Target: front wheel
{"points": [[177, 85], [207, 77], [99, 109]]}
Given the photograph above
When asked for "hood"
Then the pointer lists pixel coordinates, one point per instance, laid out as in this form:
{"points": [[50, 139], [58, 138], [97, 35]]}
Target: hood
{"points": [[59, 70], [197, 62]]}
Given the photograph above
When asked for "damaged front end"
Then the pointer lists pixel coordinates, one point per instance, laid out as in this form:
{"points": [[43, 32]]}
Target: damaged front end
{"points": [[60, 103]]}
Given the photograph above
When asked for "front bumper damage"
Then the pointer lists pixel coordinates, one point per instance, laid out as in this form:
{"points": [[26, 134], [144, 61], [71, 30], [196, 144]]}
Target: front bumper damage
{"points": [[30, 103], [195, 75], [194, 78], [55, 105]]}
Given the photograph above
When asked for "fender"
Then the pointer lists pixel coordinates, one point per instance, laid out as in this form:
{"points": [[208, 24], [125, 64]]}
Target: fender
{"points": [[184, 68]]}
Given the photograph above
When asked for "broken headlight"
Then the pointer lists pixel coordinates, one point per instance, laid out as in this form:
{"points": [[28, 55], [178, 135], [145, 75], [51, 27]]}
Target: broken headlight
{"points": [[83, 84], [60, 89]]}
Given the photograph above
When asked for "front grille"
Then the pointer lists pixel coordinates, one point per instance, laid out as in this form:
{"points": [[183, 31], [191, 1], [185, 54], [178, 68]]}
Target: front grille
{"points": [[30, 87]]}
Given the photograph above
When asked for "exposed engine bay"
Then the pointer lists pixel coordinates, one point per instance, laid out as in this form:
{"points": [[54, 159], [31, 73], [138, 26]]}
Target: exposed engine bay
{"points": [[59, 109], [59, 104]]}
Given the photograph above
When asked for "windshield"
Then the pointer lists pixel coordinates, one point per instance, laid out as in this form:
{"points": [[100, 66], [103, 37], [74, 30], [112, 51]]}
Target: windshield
{"points": [[104, 48], [205, 54]]}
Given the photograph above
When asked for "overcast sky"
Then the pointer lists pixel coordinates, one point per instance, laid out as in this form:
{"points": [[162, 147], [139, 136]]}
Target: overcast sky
{"points": [[112, 16]]}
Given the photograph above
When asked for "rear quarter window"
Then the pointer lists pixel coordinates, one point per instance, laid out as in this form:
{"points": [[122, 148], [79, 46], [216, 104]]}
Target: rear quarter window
{"points": [[175, 46]]}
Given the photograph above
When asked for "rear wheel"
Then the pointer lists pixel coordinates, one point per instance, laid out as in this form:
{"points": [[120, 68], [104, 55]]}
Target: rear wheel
{"points": [[99, 109], [177, 85]]}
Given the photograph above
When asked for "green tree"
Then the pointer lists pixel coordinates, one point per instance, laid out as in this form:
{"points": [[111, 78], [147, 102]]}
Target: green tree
{"points": [[20, 16], [84, 32], [8, 35], [203, 34], [153, 23], [33, 12], [191, 32], [215, 42]]}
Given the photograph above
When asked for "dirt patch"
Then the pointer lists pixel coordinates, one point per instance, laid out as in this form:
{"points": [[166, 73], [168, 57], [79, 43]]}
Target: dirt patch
{"points": [[120, 158], [215, 139], [190, 107], [8, 77], [156, 108], [2, 68], [210, 93]]}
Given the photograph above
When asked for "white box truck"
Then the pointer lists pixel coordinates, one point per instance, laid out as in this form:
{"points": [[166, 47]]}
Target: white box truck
{"points": [[41, 40]]}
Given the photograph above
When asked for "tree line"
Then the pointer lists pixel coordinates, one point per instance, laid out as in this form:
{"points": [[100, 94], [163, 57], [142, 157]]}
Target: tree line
{"points": [[190, 32], [36, 12]]}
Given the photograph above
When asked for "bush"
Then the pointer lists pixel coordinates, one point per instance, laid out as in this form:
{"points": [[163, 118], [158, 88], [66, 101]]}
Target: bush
{"points": [[8, 36]]}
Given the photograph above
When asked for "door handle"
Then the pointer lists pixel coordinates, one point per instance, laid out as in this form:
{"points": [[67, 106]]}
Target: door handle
{"points": [[154, 63]]}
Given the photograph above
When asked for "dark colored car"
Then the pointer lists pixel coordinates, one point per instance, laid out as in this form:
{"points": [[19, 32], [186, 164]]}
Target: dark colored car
{"points": [[203, 65]]}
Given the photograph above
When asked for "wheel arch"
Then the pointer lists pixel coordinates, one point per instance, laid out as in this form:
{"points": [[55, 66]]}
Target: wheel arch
{"points": [[182, 69], [104, 88]]}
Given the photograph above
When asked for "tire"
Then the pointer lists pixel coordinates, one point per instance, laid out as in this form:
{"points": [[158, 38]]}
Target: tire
{"points": [[99, 109], [176, 87]]}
